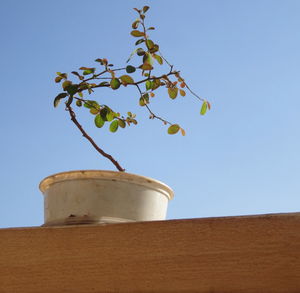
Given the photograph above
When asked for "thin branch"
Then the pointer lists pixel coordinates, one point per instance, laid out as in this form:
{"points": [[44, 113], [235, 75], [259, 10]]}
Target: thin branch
{"points": [[98, 149]]}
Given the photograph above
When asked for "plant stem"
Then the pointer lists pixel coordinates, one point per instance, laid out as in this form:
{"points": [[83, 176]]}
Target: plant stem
{"points": [[98, 149]]}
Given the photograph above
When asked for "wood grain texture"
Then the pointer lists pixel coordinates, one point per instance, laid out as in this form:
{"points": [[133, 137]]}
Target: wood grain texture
{"points": [[232, 254]]}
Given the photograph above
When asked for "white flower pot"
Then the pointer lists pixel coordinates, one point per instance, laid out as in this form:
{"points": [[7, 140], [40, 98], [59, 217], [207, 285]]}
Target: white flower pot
{"points": [[91, 196]]}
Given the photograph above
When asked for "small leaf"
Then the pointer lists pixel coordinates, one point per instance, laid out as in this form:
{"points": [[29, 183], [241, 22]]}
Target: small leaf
{"points": [[149, 44], [137, 33], [139, 41], [65, 84], [104, 83], [145, 9], [208, 105], [148, 59], [173, 92], [72, 89], [146, 66], [158, 59], [58, 98], [94, 111], [182, 85], [173, 129], [203, 108], [121, 123], [130, 69], [103, 113], [78, 75], [99, 122], [151, 28], [113, 127], [140, 52], [91, 104], [155, 84], [135, 24], [182, 131], [152, 95], [85, 68], [182, 93], [88, 71], [154, 49], [58, 79], [78, 103], [126, 79], [80, 94], [110, 115], [115, 83], [148, 85]]}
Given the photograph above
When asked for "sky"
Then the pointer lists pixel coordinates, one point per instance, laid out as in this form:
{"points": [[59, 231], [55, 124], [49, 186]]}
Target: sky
{"points": [[241, 158]]}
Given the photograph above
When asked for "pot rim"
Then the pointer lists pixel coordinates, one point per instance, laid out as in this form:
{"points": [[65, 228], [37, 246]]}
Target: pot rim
{"points": [[105, 175]]}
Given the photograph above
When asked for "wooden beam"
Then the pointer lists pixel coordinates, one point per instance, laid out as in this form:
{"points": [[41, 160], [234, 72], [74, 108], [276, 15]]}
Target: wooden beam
{"points": [[231, 254]]}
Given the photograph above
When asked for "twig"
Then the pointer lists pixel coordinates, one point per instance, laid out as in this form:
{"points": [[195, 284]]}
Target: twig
{"points": [[99, 150]]}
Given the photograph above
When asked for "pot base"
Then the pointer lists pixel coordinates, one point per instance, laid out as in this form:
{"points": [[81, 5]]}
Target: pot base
{"points": [[86, 220]]}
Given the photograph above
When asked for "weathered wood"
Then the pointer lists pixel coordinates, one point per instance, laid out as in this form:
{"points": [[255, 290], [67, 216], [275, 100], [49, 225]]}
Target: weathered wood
{"points": [[232, 254]]}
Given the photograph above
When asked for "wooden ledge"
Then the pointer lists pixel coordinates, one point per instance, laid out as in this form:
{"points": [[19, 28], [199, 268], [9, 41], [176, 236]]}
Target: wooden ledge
{"points": [[232, 254]]}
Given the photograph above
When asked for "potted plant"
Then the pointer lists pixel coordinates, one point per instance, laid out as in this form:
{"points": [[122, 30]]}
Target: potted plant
{"points": [[95, 196]]}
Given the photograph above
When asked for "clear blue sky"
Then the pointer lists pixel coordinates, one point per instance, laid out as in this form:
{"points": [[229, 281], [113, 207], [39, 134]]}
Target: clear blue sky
{"points": [[244, 56]]}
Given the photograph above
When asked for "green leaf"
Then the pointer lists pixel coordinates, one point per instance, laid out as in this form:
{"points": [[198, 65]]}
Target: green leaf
{"points": [[91, 104], [149, 44], [144, 99], [140, 52], [115, 83], [78, 103], [148, 59], [145, 9], [65, 84], [130, 69], [72, 89], [155, 84], [154, 49], [104, 83], [137, 33], [158, 59], [88, 71], [103, 113], [58, 79], [110, 115], [173, 129], [58, 98], [94, 111], [173, 92], [126, 79], [78, 75], [203, 108], [121, 123], [139, 41], [99, 122], [113, 127], [148, 85], [146, 66]]}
